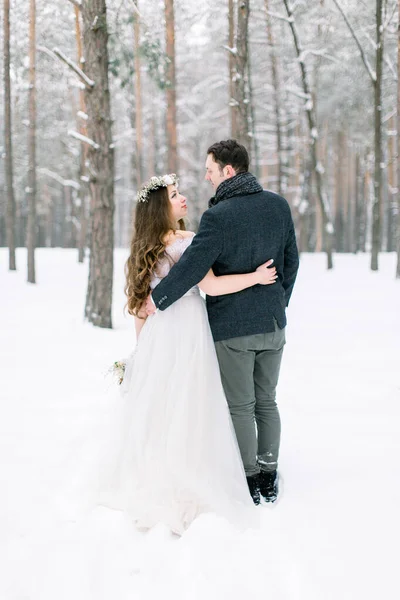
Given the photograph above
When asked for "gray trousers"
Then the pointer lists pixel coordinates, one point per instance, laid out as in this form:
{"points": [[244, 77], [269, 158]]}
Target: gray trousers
{"points": [[249, 368]]}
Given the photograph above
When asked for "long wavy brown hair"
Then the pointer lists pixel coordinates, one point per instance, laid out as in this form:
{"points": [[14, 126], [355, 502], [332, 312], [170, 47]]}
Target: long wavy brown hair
{"points": [[152, 223]]}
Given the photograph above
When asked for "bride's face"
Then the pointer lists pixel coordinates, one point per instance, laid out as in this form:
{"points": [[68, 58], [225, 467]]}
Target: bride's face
{"points": [[178, 202]]}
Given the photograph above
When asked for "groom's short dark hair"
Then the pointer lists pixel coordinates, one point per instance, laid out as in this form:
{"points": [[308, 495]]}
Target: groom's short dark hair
{"points": [[230, 152]]}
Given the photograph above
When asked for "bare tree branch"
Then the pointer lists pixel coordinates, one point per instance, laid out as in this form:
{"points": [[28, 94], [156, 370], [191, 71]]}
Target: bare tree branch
{"points": [[371, 73], [89, 82]]}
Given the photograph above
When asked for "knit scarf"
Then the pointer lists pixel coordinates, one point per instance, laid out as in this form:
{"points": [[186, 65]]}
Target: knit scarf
{"points": [[241, 184]]}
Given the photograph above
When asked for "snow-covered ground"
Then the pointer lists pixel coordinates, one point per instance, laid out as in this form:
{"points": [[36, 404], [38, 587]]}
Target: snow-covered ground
{"points": [[334, 534]]}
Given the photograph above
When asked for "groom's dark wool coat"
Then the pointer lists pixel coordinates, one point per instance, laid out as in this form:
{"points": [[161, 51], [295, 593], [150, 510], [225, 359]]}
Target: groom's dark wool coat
{"points": [[236, 236]]}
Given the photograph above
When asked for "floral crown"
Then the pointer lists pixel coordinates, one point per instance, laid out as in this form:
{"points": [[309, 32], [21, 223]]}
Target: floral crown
{"points": [[154, 183]]}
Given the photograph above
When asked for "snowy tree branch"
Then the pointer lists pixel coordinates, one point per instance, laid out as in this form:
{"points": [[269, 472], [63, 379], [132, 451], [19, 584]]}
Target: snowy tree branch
{"points": [[390, 17], [278, 16], [320, 53], [76, 3], [298, 93], [64, 182], [46, 51], [135, 9], [390, 65], [371, 73], [385, 56], [295, 4], [83, 138], [89, 82], [387, 117], [233, 51]]}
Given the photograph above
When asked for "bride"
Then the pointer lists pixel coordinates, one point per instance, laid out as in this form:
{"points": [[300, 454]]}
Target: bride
{"points": [[178, 455]]}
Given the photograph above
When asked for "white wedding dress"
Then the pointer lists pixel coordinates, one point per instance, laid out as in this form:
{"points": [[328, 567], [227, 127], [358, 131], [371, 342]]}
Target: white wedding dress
{"points": [[177, 454]]}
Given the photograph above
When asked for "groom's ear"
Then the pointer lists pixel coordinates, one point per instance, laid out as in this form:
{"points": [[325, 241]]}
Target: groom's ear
{"points": [[229, 171]]}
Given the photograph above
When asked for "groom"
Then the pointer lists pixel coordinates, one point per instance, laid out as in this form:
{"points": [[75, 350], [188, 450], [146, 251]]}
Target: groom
{"points": [[243, 227]]}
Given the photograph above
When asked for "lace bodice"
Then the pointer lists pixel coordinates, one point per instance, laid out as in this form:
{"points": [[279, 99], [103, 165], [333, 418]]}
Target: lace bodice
{"points": [[174, 251]]}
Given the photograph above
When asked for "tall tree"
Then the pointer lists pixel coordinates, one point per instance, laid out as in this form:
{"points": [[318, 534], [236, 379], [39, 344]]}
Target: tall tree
{"points": [[313, 133], [83, 149], [376, 79], [398, 144], [277, 98], [252, 118], [231, 44], [31, 187], [378, 192], [172, 159], [138, 97], [101, 164], [8, 142], [241, 99]]}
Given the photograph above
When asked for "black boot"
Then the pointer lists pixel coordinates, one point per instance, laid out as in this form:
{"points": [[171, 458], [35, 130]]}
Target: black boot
{"points": [[269, 485], [254, 488]]}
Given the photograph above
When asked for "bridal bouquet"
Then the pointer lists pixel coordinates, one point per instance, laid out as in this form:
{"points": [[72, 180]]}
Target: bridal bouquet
{"points": [[117, 370]]}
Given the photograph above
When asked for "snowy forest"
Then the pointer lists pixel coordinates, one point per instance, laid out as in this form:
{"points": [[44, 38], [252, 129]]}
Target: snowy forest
{"points": [[101, 95]]}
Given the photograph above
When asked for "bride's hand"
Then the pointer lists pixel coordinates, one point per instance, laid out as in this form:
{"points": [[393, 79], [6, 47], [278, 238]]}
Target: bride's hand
{"points": [[266, 276], [149, 306]]}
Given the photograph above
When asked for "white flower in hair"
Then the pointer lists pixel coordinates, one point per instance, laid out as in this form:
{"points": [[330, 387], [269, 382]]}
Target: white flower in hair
{"points": [[154, 184], [169, 179]]}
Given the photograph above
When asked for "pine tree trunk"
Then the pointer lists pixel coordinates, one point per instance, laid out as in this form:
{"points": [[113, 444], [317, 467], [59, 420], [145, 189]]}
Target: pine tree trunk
{"points": [[172, 149], [277, 99], [231, 43], [391, 195], [339, 195], [357, 204], [313, 131], [252, 115], [138, 101], [9, 180], [83, 192], [367, 205], [31, 187], [376, 209], [241, 100], [351, 193], [398, 146], [101, 164], [68, 210]]}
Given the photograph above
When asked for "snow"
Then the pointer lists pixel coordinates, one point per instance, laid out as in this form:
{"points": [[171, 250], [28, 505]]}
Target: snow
{"points": [[303, 207], [309, 105], [329, 228], [334, 533]]}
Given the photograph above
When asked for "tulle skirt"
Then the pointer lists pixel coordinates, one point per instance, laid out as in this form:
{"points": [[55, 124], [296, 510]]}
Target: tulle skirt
{"points": [[174, 451]]}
